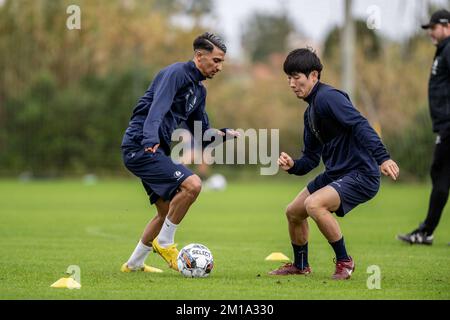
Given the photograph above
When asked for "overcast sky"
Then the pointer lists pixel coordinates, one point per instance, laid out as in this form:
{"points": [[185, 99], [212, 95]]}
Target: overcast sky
{"points": [[398, 18]]}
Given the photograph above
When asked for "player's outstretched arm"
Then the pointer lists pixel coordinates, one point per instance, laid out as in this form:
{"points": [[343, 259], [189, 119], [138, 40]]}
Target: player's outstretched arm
{"points": [[390, 168]]}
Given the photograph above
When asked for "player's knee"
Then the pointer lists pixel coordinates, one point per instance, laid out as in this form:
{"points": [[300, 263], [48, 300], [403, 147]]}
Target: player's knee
{"points": [[294, 214], [193, 186], [312, 205], [290, 213], [196, 185]]}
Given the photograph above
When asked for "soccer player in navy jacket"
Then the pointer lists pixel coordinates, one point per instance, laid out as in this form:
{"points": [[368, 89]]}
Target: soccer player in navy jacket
{"points": [[175, 98], [352, 153]]}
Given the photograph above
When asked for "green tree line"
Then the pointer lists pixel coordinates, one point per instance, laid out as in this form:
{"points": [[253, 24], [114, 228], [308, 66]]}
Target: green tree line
{"points": [[66, 95]]}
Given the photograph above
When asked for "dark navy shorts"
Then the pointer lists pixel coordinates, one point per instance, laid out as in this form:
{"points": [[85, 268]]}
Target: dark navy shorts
{"points": [[160, 176], [353, 189]]}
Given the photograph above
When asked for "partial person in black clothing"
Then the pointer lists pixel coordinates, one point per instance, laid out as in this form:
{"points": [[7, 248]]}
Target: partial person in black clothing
{"points": [[352, 153], [439, 102]]}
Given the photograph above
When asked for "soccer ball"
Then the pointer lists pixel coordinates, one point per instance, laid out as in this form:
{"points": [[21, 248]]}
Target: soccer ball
{"points": [[216, 182], [195, 261]]}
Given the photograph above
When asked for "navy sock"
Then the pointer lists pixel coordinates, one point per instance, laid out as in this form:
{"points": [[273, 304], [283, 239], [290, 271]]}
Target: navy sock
{"points": [[300, 256], [339, 250]]}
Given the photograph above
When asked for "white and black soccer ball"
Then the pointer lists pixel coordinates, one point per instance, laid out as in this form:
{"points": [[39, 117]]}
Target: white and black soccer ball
{"points": [[195, 261], [216, 182]]}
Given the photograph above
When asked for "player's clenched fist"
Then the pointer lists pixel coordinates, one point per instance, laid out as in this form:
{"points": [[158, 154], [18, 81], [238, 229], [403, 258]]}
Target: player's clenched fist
{"points": [[285, 161]]}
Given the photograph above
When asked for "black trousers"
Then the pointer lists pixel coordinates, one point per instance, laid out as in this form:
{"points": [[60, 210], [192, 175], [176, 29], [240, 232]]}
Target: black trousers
{"points": [[440, 177]]}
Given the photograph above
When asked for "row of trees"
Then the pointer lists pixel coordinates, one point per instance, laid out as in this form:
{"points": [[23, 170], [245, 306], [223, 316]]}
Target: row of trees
{"points": [[66, 95]]}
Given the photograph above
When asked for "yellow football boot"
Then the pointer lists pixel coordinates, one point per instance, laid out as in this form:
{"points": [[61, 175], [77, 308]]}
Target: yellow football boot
{"points": [[169, 254], [145, 268]]}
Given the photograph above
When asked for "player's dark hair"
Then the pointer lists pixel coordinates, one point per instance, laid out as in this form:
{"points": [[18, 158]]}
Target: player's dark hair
{"points": [[304, 61], [207, 41]]}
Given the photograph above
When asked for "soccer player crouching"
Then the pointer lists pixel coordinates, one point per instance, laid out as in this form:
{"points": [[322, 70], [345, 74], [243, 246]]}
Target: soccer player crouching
{"points": [[352, 153]]}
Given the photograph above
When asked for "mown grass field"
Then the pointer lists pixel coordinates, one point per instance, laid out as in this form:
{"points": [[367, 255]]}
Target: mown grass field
{"points": [[47, 226]]}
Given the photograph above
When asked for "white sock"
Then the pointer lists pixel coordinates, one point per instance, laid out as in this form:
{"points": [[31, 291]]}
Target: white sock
{"points": [[138, 256], [167, 234]]}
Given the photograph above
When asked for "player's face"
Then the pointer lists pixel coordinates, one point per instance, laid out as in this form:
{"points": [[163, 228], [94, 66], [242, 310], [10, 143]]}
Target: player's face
{"points": [[438, 32], [210, 63], [301, 84]]}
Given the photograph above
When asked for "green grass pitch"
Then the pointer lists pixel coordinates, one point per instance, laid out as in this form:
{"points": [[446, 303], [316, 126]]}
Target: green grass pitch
{"points": [[47, 226]]}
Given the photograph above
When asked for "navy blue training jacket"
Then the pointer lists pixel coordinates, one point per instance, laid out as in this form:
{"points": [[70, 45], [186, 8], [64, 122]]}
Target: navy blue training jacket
{"points": [[356, 146], [175, 97]]}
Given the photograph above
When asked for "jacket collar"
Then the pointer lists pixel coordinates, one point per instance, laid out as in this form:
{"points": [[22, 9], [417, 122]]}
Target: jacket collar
{"points": [[442, 45], [313, 93], [194, 72]]}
